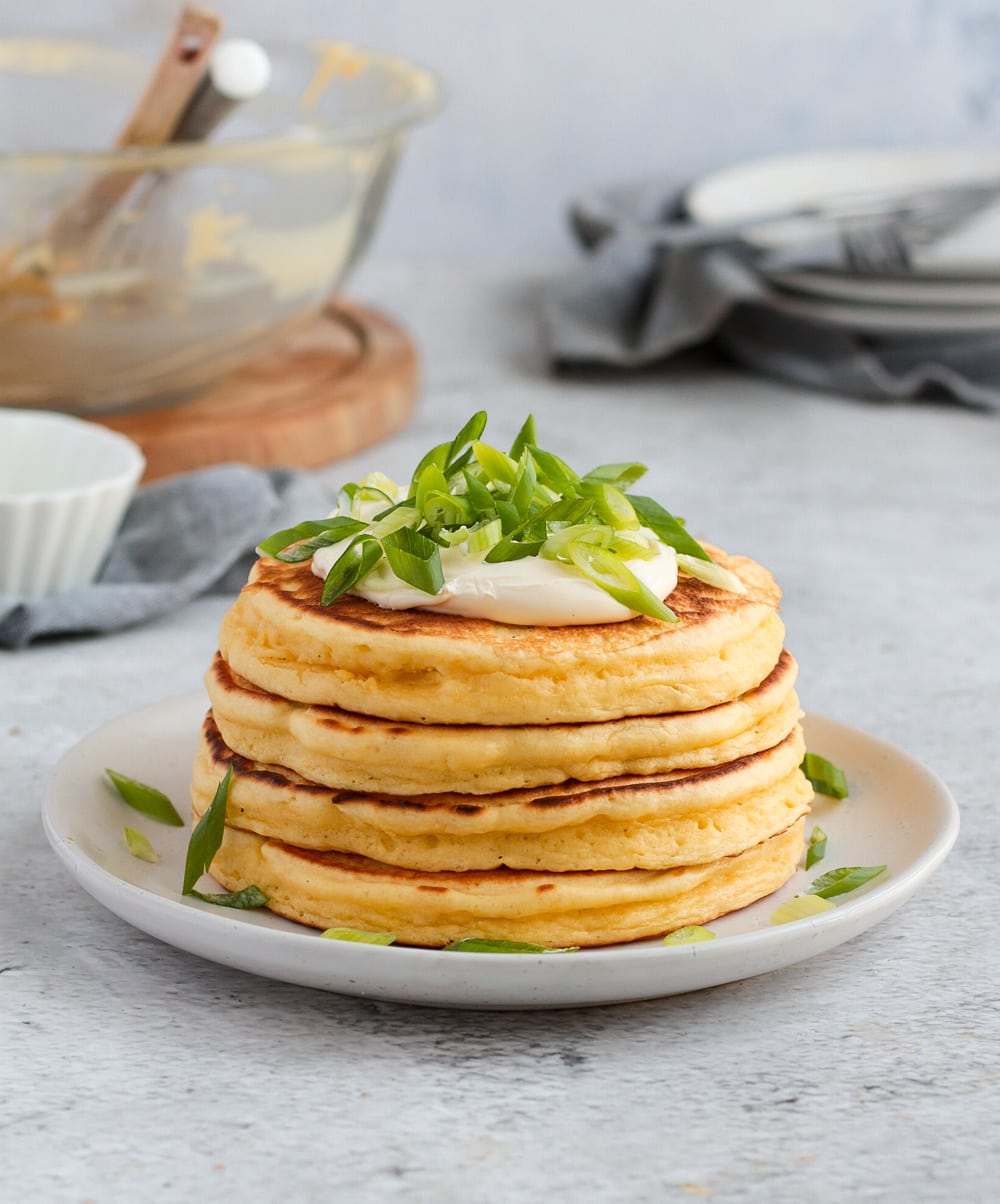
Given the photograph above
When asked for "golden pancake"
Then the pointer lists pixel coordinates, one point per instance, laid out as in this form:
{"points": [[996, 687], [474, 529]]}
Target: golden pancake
{"points": [[328, 890], [646, 822], [363, 752], [421, 667]]}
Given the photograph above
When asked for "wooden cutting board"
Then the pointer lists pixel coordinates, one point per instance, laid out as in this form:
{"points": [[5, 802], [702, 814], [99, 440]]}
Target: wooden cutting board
{"points": [[346, 380]]}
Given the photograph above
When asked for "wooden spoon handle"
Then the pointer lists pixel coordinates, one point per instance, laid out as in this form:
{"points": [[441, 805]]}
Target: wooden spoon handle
{"points": [[152, 123], [174, 80]]}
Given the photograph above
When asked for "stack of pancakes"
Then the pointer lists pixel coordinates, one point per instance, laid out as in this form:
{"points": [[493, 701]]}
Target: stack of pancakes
{"points": [[442, 777]]}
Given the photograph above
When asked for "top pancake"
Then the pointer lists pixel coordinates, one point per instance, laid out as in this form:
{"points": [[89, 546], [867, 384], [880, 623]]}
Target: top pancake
{"points": [[422, 667]]}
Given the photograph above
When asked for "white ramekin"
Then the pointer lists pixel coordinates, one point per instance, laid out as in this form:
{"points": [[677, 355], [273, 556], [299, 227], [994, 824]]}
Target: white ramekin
{"points": [[64, 487]]}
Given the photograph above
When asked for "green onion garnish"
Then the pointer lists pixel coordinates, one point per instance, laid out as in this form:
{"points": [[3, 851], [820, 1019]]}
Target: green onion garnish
{"points": [[621, 476], [247, 899], [503, 506], [358, 936], [147, 799], [207, 835], [824, 775], [281, 540], [414, 558], [611, 573], [202, 847], [816, 849], [801, 908], [847, 878], [711, 573], [361, 556], [692, 934], [138, 844], [671, 530], [478, 944], [526, 436]]}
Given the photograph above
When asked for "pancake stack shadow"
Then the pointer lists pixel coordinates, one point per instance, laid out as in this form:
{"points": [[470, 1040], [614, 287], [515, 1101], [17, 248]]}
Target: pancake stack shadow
{"points": [[442, 778]]}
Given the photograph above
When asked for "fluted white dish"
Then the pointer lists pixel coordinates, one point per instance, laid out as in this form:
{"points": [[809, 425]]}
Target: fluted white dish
{"points": [[65, 484]]}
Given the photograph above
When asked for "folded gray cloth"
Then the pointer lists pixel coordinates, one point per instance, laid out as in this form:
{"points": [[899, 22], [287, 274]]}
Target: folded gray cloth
{"points": [[181, 537], [645, 292]]}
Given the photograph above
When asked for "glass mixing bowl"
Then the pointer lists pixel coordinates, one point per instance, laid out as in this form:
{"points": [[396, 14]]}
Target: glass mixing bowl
{"points": [[136, 277]]}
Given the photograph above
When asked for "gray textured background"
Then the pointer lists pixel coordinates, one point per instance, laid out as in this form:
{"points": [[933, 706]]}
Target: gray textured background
{"points": [[549, 98]]}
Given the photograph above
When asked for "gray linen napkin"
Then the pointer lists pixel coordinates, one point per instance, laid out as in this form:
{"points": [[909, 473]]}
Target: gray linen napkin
{"points": [[641, 295], [181, 537]]}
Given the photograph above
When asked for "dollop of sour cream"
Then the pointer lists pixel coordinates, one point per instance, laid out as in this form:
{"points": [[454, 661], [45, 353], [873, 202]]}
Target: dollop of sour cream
{"points": [[529, 592]]}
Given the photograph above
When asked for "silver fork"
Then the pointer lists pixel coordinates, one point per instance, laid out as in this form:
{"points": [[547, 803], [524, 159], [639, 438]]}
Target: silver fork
{"points": [[876, 250], [886, 246], [878, 233]]}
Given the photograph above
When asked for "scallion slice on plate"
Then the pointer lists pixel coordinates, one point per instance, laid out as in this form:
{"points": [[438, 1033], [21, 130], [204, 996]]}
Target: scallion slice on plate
{"points": [[842, 881], [359, 937], [824, 776], [145, 799]]}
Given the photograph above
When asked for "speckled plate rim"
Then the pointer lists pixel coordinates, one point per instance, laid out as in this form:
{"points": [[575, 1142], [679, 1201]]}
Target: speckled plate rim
{"points": [[899, 813]]}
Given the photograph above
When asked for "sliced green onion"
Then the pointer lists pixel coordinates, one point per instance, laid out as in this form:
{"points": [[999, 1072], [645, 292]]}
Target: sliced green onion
{"points": [[462, 488], [358, 936], [522, 492], [339, 530], [376, 485], [146, 799], [437, 455], [468, 434], [431, 480], [247, 899], [801, 908], [510, 520], [711, 573], [499, 469], [139, 845], [345, 497], [415, 559], [282, 539], [633, 545], [690, 935], [612, 506], [451, 536], [553, 472], [622, 476], [816, 849], [353, 564], [566, 510], [447, 509], [843, 880], [392, 520], [671, 530], [510, 548], [477, 493], [594, 534], [207, 835], [824, 776], [611, 573], [484, 537], [525, 438], [477, 944]]}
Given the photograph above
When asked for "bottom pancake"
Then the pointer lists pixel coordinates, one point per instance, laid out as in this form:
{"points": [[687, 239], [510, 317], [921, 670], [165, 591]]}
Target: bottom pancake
{"points": [[328, 890]]}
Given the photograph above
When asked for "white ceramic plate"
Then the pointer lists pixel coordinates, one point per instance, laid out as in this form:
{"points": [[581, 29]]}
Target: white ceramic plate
{"points": [[885, 319], [763, 186], [903, 291], [899, 814]]}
